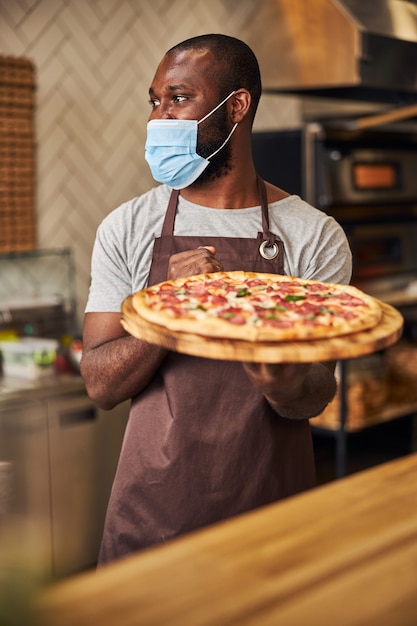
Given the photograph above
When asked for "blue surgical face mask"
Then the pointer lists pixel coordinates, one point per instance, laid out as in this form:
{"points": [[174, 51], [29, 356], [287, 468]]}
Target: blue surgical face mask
{"points": [[171, 150]]}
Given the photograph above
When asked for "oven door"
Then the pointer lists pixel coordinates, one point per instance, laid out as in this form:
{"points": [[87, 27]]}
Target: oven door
{"points": [[380, 250], [353, 176]]}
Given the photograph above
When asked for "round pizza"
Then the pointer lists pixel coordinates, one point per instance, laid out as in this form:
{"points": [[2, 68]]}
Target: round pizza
{"points": [[257, 307]]}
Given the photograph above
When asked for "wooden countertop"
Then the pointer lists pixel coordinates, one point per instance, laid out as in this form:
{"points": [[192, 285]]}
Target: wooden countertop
{"points": [[344, 553]]}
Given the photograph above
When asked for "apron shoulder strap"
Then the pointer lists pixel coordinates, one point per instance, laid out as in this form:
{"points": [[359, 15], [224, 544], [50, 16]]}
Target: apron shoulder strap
{"points": [[267, 236], [270, 247], [168, 226]]}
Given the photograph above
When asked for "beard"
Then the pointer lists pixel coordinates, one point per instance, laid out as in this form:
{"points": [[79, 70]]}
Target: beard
{"points": [[208, 143]]}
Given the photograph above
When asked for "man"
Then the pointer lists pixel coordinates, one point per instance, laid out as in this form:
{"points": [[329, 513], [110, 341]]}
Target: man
{"points": [[206, 439]]}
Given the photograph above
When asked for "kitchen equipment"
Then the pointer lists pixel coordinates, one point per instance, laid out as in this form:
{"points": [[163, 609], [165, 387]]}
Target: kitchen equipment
{"points": [[350, 49], [361, 170], [40, 316], [366, 180], [37, 293], [58, 455]]}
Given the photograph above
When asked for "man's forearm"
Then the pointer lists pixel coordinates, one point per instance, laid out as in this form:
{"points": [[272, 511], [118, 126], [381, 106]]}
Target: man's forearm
{"points": [[119, 369]]}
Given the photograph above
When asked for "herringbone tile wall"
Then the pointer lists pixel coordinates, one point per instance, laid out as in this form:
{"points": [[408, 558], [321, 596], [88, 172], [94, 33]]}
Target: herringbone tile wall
{"points": [[95, 60]]}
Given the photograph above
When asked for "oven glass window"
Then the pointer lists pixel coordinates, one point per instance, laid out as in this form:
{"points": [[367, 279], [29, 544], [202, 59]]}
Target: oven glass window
{"points": [[374, 256], [375, 176]]}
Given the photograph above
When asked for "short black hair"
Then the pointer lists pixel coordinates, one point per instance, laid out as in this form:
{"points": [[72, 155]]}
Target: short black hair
{"points": [[238, 61]]}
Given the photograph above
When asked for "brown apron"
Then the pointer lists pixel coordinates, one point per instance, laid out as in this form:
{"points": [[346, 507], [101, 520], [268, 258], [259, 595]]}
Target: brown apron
{"points": [[202, 444]]}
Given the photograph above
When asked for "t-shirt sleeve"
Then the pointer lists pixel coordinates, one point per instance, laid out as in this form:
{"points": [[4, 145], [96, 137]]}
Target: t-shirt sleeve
{"points": [[315, 244], [332, 261], [110, 277]]}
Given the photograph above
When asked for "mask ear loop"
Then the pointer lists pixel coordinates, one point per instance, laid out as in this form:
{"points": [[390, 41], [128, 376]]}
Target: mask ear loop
{"points": [[224, 142], [231, 132], [217, 107]]}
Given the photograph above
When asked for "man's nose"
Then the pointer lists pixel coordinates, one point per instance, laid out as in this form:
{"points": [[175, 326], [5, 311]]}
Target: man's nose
{"points": [[162, 112]]}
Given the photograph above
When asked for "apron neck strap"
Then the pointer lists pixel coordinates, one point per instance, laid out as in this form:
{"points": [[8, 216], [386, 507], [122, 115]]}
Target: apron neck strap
{"points": [[168, 226]]}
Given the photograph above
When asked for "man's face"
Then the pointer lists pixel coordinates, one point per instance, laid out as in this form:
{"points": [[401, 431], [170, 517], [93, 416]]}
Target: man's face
{"points": [[185, 87]]}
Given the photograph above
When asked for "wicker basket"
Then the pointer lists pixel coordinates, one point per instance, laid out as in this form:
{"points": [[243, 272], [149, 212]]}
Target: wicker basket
{"points": [[17, 154]]}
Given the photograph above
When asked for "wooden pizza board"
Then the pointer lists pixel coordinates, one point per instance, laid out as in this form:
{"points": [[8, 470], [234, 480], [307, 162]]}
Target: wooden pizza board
{"points": [[386, 333]]}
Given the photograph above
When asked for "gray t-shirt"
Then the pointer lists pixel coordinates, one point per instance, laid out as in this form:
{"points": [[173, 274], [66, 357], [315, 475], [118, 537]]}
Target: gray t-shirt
{"points": [[315, 245]]}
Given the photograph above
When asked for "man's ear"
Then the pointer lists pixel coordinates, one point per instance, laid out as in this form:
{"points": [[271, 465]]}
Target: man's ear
{"points": [[240, 104]]}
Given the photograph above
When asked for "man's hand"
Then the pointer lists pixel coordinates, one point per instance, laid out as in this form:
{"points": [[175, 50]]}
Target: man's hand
{"points": [[199, 261], [294, 390], [279, 382]]}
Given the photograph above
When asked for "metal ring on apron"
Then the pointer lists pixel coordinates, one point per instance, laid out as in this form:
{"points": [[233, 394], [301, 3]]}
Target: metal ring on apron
{"points": [[268, 251]]}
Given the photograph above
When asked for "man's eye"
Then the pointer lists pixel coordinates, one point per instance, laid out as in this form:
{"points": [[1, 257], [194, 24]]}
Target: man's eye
{"points": [[153, 102], [179, 98]]}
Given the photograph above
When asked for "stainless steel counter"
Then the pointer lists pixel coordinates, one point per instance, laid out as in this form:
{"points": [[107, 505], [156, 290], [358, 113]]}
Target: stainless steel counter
{"points": [[12, 389]]}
